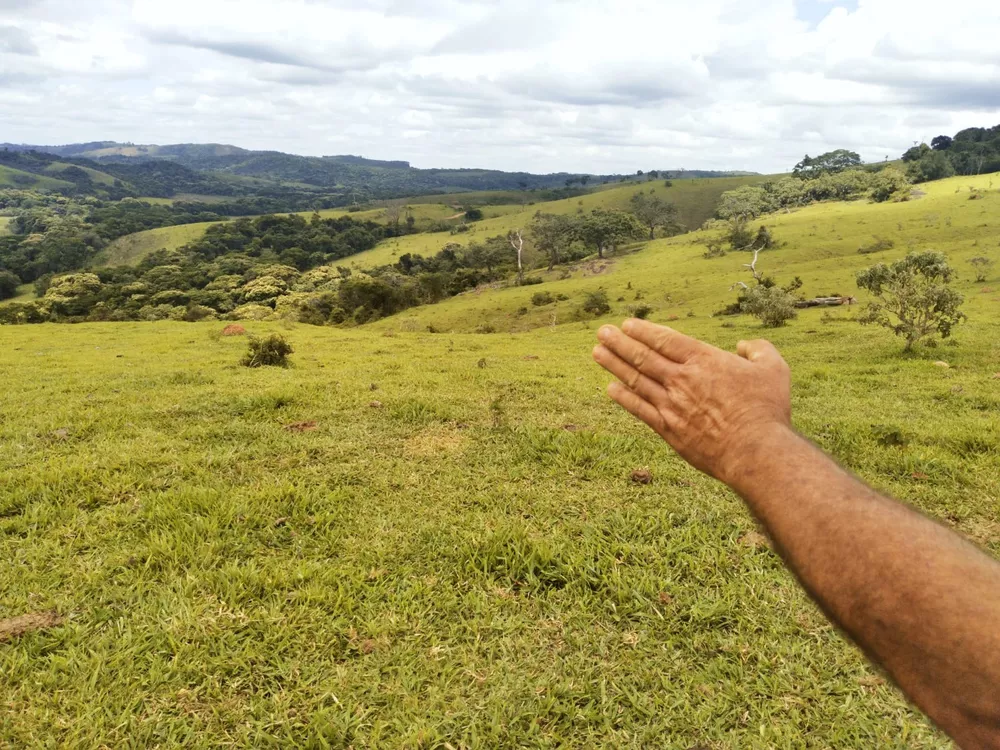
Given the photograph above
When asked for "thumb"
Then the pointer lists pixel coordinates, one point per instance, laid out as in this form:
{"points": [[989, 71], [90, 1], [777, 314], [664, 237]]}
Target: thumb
{"points": [[757, 351]]}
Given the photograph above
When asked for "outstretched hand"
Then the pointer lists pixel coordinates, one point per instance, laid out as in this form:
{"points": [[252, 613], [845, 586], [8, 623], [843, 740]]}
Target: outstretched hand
{"points": [[711, 406]]}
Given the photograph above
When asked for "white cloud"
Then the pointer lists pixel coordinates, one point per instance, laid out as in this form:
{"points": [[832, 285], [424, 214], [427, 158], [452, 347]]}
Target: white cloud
{"points": [[517, 84]]}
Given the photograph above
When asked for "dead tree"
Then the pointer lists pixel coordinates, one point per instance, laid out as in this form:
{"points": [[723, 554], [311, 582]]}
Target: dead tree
{"points": [[752, 267], [517, 242]]}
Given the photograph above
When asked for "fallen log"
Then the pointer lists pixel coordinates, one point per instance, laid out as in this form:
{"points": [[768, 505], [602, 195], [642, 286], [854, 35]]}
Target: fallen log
{"points": [[825, 302]]}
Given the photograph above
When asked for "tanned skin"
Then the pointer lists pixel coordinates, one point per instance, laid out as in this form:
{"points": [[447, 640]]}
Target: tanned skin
{"points": [[921, 602]]}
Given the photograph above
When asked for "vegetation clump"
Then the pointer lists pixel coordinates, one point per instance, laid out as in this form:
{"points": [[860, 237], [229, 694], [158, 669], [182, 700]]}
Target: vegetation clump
{"points": [[912, 297], [270, 351], [982, 266], [878, 245], [596, 303]]}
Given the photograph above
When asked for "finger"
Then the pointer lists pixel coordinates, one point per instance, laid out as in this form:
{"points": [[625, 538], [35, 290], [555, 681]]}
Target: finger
{"points": [[636, 406], [671, 344], [637, 354], [634, 380], [757, 351]]}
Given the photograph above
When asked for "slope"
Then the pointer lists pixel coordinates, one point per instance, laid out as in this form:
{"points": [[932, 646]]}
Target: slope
{"points": [[16, 178], [695, 200], [819, 243]]}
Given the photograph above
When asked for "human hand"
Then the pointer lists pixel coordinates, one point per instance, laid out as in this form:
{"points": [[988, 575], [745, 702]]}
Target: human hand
{"points": [[711, 406]]}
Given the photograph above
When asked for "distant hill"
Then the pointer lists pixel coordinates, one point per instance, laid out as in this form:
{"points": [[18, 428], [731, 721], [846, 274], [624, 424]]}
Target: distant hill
{"points": [[355, 178]]}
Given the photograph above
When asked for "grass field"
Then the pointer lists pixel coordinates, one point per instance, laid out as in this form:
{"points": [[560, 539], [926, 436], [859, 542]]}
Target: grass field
{"points": [[432, 540], [101, 178], [695, 199], [134, 247], [15, 178], [456, 566], [820, 244]]}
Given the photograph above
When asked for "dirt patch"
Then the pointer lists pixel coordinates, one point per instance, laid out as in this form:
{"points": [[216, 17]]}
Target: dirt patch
{"points": [[440, 440], [301, 426], [642, 476], [234, 330], [755, 540], [15, 627]]}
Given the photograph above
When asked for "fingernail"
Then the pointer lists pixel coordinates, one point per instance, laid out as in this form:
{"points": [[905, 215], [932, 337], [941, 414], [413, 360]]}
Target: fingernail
{"points": [[605, 333], [627, 325]]}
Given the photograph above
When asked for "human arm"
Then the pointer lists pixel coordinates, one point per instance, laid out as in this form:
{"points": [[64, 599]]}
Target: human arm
{"points": [[919, 600]]}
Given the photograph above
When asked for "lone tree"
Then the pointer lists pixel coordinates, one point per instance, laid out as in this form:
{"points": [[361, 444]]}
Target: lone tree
{"points": [[608, 229], [913, 298], [553, 234], [832, 161], [517, 242], [982, 266], [772, 305], [655, 212]]}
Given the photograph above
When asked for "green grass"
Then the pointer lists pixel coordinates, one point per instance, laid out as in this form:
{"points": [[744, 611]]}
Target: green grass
{"points": [[134, 247], [101, 178], [695, 200], [25, 293], [4, 223], [452, 567], [465, 563], [15, 178], [819, 243]]}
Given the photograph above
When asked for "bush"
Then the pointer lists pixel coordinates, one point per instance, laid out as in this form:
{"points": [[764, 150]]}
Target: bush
{"points": [[8, 284], [596, 303], [474, 214], [538, 299], [982, 266], [271, 351], [640, 311], [877, 246], [715, 250], [532, 281], [772, 306], [912, 297]]}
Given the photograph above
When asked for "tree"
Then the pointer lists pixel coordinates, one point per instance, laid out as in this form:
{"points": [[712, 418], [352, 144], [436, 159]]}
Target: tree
{"points": [[655, 212], [912, 297], [982, 266], [517, 242], [392, 211], [832, 161], [8, 284], [73, 294], [773, 306], [934, 165], [887, 184], [941, 143], [608, 229], [553, 234], [585, 179]]}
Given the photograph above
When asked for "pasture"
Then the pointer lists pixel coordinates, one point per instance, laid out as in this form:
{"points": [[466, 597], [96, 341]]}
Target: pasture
{"points": [[433, 540]]}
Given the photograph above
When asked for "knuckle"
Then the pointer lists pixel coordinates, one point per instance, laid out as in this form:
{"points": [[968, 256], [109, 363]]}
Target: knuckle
{"points": [[640, 357]]}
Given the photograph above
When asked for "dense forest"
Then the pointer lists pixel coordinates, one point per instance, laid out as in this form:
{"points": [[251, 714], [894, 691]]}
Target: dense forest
{"points": [[970, 152]]}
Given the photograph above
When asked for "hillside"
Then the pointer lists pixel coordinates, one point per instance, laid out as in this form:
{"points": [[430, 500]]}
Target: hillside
{"points": [[695, 199], [359, 177], [819, 243], [16, 178]]}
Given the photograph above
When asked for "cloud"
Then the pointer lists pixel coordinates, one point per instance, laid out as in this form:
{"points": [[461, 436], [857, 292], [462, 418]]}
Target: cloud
{"points": [[16, 41], [543, 85]]}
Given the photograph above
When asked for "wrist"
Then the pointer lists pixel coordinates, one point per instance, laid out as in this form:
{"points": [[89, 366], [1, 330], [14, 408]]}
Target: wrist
{"points": [[743, 464]]}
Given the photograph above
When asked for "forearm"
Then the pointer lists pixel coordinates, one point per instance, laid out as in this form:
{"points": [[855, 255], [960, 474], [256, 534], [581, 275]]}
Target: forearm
{"points": [[921, 601]]}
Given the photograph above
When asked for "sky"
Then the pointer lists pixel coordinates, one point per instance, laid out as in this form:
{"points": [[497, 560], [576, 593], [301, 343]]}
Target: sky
{"points": [[536, 85]]}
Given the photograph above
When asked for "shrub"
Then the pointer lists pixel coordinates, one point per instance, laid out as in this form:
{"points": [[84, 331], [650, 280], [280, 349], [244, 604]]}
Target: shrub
{"points": [[982, 267], [715, 250], [271, 351], [538, 299], [772, 306], [8, 284], [474, 214], [640, 311], [532, 281], [596, 303], [485, 328], [877, 246], [912, 297], [562, 297]]}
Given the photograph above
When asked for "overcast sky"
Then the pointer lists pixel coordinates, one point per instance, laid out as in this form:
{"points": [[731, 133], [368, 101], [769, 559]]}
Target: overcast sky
{"points": [[539, 85]]}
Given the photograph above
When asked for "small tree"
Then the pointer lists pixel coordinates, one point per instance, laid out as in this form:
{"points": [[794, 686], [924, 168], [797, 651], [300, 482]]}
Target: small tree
{"points": [[552, 234], [654, 213], [771, 305], [982, 266], [607, 229], [596, 303], [913, 298]]}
